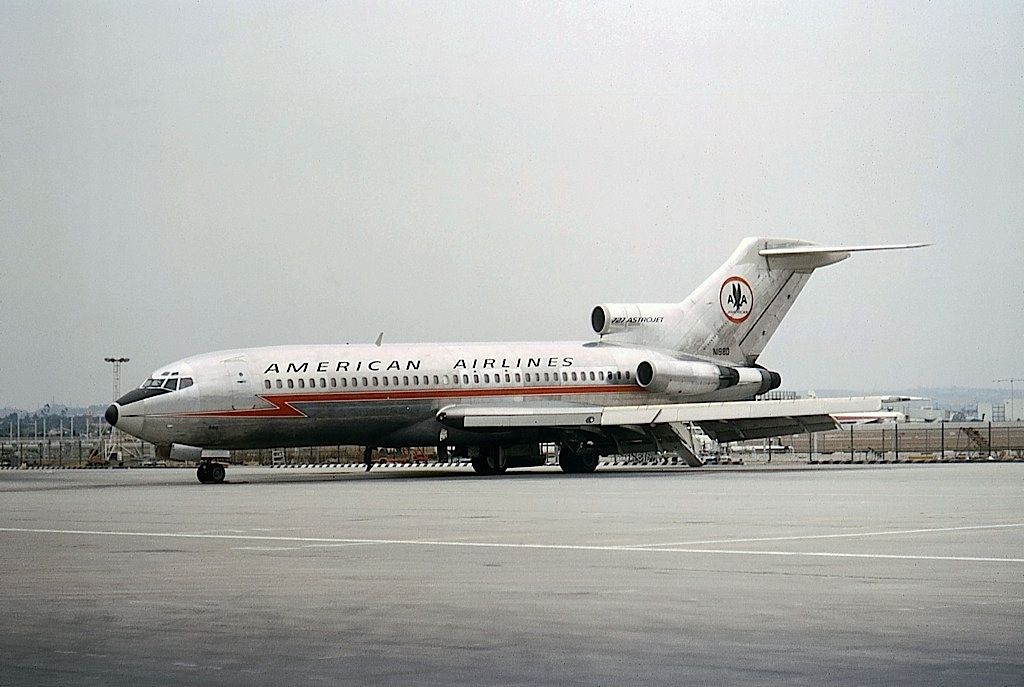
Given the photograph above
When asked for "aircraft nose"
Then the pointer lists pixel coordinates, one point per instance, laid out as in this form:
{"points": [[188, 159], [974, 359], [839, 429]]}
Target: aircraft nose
{"points": [[111, 415]]}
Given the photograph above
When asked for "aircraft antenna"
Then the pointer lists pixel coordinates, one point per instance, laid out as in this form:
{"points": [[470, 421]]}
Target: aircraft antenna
{"points": [[380, 338]]}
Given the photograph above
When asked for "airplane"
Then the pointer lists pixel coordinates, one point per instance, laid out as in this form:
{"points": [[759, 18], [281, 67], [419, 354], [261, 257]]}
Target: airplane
{"points": [[654, 373]]}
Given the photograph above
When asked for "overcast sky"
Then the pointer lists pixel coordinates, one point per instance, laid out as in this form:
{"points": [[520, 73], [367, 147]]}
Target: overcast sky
{"points": [[177, 178]]}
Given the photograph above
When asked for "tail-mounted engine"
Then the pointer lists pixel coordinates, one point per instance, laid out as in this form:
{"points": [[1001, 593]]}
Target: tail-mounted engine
{"points": [[610, 318], [694, 378]]}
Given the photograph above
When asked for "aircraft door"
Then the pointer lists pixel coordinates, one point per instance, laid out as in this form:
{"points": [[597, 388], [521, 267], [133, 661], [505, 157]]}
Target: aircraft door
{"points": [[240, 389]]}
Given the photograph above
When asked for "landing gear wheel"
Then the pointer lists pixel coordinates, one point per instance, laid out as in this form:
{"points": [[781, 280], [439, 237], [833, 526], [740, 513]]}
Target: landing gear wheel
{"points": [[578, 460], [487, 462], [210, 473], [216, 473]]}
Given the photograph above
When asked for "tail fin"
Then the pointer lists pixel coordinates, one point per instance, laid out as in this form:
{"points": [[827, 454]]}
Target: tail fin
{"points": [[733, 314]]}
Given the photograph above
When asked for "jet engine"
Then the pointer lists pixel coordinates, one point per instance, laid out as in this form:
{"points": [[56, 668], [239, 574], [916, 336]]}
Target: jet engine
{"points": [[694, 378], [609, 318], [178, 452]]}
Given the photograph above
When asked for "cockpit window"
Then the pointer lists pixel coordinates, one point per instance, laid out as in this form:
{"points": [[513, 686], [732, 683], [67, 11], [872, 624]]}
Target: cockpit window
{"points": [[168, 383]]}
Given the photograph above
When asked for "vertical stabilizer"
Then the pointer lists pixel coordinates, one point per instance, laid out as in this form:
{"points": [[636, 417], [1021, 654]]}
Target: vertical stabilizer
{"points": [[734, 313]]}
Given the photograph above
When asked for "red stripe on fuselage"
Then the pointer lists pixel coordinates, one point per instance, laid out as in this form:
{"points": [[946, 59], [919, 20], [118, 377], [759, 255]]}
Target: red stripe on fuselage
{"points": [[282, 403]]}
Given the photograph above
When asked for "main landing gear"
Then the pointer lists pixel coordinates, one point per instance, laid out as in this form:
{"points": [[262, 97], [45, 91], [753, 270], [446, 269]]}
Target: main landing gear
{"points": [[210, 473], [577, 458], [487, 460]]}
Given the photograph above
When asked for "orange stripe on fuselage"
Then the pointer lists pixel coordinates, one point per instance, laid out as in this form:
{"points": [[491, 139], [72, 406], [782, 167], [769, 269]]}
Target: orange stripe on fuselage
{"points": [[282, 403]]}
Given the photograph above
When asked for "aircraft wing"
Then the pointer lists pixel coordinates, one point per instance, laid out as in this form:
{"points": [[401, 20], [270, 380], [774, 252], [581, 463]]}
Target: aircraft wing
{"points": [[723, 421]]}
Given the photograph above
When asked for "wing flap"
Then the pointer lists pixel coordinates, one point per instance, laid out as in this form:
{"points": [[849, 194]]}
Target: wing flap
{"points": [[761, 428], [745, 416]]}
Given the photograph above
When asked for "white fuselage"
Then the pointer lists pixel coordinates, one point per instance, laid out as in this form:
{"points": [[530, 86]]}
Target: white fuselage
{"points": [[386, 395]]}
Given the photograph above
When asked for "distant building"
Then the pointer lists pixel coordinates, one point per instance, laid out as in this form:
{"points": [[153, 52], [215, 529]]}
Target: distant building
{"points": [[778, 395], [992, 412], [926, 414]]}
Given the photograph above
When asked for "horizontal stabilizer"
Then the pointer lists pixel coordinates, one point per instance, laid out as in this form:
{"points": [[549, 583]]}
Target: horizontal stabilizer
{"points": [[807, 257], [810, 250]]}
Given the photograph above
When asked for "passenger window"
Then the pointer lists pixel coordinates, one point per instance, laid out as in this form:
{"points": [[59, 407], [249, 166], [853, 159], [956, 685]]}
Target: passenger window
{"points": [[528, 377], [476, 379], [547, 377], [302, 383], [291, 383], [518, 377], [507, 377], [436, 380], [344, 381], [465, 379], [627, 374], [565, 376], [415, 380], [279, 384], [394, 381], [365, 383], [376, 382], [618, 374], [334, 382], [323, 383], [385, 381], [454, 377], [266, 383], [573, 376], [487, 379]]}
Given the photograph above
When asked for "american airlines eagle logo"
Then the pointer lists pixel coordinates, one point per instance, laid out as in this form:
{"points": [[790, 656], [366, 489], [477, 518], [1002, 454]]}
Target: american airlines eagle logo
{"points": [[737, 299]]}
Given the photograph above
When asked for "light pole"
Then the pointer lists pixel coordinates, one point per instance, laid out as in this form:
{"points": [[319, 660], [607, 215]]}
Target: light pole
{"points": [[116, 362], [115, 436], [46, 439], [1013, 402]]}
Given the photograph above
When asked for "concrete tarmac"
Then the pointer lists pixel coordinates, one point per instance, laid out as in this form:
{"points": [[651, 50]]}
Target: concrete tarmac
{"points": [[873, 575]]}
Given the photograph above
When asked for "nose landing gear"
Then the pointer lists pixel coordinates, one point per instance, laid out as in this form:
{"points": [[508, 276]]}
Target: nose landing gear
{"points": [[210, 473]]}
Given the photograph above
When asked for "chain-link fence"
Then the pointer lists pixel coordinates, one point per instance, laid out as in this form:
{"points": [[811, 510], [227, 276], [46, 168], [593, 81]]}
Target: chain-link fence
{"points": [[865, 443], [897, 442]]}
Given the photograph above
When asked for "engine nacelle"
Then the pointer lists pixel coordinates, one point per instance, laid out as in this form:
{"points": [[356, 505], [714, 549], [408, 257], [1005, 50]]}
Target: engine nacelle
{"points": [[609, 318], [695, 378], [178, 452]]}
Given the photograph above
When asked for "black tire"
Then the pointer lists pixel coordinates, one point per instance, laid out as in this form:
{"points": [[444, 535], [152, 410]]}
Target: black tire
{"points": [[203, 473], [486, 463], [481, 465], [576, 462], [216, 473], [588, 461]]}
